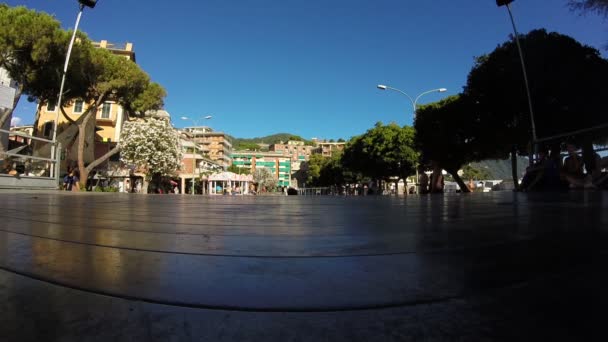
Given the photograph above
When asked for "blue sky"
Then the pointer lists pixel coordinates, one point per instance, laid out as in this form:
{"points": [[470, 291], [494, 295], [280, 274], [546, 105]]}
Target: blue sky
{"points": [[309, 67]]}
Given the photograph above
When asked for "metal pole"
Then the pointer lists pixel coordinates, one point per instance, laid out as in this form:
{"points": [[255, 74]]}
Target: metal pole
{"points": [[65, 70], [529, 96], [193, 155]]}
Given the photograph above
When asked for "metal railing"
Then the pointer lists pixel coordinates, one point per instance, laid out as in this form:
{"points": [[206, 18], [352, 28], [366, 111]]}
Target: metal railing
{"points": [[20, 167]]}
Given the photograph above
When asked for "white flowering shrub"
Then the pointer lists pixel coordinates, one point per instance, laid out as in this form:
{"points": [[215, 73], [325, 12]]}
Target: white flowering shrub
{"points": [[265, 178], [152, 145]]}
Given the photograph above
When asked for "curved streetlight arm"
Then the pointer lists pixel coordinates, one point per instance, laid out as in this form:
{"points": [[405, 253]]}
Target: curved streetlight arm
{"points": [[438, 90], [404, 93]]}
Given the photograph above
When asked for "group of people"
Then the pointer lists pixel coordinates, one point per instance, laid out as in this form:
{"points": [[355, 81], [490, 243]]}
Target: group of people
{"points": [[551, 172]]}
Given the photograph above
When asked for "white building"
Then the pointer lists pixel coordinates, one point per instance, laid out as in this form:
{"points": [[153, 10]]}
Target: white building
{"points": [[7, 94]]}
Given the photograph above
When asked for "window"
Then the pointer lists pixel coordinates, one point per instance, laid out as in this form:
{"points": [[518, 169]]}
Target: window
{"points": [[105, 110], [47, 129], [51, 106], [78, 104]]}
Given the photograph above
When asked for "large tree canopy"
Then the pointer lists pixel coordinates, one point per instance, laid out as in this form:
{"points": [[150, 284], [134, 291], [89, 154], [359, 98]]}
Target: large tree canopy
{"points": [[382, 152], [32, 51], [598, 6], [567, 84]]}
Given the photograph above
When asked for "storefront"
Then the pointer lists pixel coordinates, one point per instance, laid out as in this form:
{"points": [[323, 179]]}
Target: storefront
{"points": [[229, 183]]}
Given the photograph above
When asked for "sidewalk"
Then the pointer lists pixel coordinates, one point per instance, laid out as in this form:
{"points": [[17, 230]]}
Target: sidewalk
{"points": [[496, 266]]}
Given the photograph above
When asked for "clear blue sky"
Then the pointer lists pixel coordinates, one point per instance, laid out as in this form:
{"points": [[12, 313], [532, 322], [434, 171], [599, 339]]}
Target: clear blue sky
{"points": [[309, 67]]}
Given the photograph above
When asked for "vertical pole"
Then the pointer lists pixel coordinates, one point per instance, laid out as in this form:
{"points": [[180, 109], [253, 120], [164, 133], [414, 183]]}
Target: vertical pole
{"points": [[57, 163], [65, 70], [523, 68]]}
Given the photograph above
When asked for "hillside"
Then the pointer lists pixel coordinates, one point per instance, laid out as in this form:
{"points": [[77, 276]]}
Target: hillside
{"points": [[251, 143], [501, 169]]}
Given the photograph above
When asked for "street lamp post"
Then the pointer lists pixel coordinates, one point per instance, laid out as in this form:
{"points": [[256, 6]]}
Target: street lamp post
{"points": [[507, 4], [195, 122], [83, 4], [414, 106], [413, 101]]}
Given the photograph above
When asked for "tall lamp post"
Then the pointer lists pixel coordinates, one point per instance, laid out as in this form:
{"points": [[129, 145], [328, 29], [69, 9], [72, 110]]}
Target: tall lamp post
{"points": [[195, 122], [414, 107], [83, 4], [507, 3]]}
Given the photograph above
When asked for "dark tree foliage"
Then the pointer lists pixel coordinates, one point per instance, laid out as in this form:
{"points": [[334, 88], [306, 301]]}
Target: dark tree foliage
{"points": [[598, 6], [567, 84]]}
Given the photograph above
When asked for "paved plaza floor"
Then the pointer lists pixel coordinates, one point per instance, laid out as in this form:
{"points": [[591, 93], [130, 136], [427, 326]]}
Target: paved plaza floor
{"points": [[496, 266]]}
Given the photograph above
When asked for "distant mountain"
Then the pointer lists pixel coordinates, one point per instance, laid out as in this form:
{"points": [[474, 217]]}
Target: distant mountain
{"points": [[250, 143], [501, 169]]}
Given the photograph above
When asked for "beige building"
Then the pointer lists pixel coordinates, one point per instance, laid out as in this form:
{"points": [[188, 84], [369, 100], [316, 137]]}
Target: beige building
{"points": [[196, 165], [216, 145], [296, 150], [327, 149]]}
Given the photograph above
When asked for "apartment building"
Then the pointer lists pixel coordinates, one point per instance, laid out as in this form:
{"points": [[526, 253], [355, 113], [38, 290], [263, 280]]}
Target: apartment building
{"points": [[195, 164], [217, 144], [278, 163], [327, 149], [296, 150]]}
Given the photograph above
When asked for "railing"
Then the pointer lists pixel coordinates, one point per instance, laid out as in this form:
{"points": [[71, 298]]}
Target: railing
{"points": [[20, 168], [314, 191]]}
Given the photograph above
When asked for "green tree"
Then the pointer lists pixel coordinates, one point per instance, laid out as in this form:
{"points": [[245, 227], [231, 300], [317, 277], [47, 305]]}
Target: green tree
{"points": [[313, 169], [563, 101], [265, 179], [32, 50], [109, 77], [151, 145], [333, 172], [382, 152], [445, 134], [250, 146], [240, 170], [471, 172]]}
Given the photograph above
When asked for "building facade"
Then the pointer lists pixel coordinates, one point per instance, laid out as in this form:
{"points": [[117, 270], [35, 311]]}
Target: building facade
{"points": [[328, 149], [196, 165], [296, 150], [278, 164], [217, 144]]}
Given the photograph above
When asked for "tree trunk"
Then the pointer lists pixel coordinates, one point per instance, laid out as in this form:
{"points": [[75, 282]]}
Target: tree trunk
{"points": [[84, 174], [514, 173], [144, 185], [461, 183]]}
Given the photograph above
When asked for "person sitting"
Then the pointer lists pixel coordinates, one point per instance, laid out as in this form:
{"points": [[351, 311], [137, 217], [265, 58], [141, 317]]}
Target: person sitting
{"points": [[437, 182], [572, 170], [598, 177], [543, 175], [423, 180]]}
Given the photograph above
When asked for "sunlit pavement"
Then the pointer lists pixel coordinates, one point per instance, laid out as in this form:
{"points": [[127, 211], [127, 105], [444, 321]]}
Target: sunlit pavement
{"points": [[495, 266]]}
